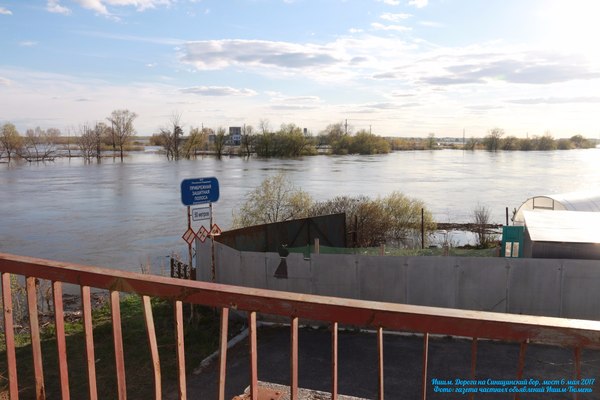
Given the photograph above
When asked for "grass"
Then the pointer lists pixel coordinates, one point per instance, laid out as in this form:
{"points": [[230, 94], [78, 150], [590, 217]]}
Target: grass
{"points": [[201, 339]]}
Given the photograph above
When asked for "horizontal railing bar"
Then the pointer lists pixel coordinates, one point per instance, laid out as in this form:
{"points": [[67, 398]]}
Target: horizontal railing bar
{"points": [[400, 317]]}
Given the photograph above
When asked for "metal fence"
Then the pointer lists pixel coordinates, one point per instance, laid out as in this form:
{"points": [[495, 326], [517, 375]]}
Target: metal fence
{"points": [[577, 334]]}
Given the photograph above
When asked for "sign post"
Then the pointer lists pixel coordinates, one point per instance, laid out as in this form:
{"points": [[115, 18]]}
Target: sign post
{"points": [[193, 192]]}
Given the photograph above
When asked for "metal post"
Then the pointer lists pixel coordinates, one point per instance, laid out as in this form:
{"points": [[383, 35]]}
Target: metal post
{"points": [[212, 246], [422, 228], [189, 219]]}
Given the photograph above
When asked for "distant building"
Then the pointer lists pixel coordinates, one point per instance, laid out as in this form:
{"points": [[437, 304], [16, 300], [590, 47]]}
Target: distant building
{"points": [[235, 135]]}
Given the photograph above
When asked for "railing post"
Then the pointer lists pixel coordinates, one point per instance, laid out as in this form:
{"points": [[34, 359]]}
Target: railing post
{"points": [[577, 355], [473, 363], [425, 358], [61, 344], [223, 351], [380, 389], [180, 349], [294, 359], [149, 319], [522, 349], [9, 336], [115, 308], [34, 327], [253, 355], [88, 329], [334, 361]]}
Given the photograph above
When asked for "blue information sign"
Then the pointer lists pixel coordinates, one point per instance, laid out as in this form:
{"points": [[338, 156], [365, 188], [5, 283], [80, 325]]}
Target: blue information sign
{"points": [[199, 191]]}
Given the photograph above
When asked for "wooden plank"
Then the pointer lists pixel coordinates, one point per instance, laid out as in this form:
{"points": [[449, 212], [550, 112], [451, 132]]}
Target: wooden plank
{"points": [[61, 343], [9, 337], [253, 355], [399, 317], [34, 326], [88, 330], [115, 308], [223, 351], [380, 388], [294, 359], [149, 319], [181, 383]]}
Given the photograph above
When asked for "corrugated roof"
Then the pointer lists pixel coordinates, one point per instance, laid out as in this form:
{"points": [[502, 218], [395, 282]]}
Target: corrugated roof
{"points": [[563, 226]]}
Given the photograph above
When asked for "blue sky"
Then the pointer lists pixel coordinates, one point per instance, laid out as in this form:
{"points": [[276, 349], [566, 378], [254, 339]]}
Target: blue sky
{"points": [[401, 67]]}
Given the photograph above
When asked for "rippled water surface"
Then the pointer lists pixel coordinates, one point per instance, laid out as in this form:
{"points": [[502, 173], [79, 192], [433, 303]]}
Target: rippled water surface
{"points": [[123, 215]]}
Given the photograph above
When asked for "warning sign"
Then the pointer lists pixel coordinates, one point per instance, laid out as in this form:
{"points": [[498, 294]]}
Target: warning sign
{"points": [[215, 230], [202, 234], [189, 236]]}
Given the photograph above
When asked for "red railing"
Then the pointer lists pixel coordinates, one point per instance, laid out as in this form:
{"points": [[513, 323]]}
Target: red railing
{"points": [[379, 316]]}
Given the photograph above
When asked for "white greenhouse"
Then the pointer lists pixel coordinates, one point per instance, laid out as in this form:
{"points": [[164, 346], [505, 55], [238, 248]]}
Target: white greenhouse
{"points": [[576, 201]]}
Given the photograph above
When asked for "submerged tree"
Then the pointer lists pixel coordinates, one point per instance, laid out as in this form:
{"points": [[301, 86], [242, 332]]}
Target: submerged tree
{"points": [[220, 139], [10, 141], [122, 129], [492, 141]]}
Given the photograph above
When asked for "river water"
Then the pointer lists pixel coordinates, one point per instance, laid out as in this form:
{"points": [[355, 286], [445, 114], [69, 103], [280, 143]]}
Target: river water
{"points": [[122, 215]]}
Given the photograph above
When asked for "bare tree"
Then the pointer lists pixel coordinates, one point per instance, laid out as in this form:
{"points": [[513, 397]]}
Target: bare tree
{"points": [[39, 145], [492, 141], [247, 139], [170, 137], [121, 128], [220, 139], [101, 130], [86, 142], [481, 221]]}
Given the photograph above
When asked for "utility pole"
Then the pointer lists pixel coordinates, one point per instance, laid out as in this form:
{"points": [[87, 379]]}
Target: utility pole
{"points": [[346, 126]]}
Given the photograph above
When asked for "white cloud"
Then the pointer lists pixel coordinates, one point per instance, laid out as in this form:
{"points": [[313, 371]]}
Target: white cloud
{"points": [[53, 6], [431, 24], [394, 17], [397, 28], [4, 81], [390, 2], [355, 30], [28, 43], [558, 100], [5, 11], [418, 3], [217, 54], [515, 68], [218, 91], [101, 6]]}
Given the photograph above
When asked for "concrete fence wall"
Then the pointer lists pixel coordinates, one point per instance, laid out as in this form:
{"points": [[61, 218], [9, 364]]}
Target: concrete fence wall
{"points": [[556, 288]]}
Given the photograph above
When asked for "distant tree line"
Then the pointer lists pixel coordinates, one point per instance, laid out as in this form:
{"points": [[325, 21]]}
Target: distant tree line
{"points": [[495, 141], [116, 132], [42, 145]]}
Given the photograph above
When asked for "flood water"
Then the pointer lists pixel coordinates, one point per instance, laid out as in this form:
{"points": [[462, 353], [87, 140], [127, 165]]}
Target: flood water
{"points": [[122, 215]]}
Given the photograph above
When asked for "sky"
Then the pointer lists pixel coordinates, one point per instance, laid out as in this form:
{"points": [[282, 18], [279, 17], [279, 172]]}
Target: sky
{"points": [[397, 67]]}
